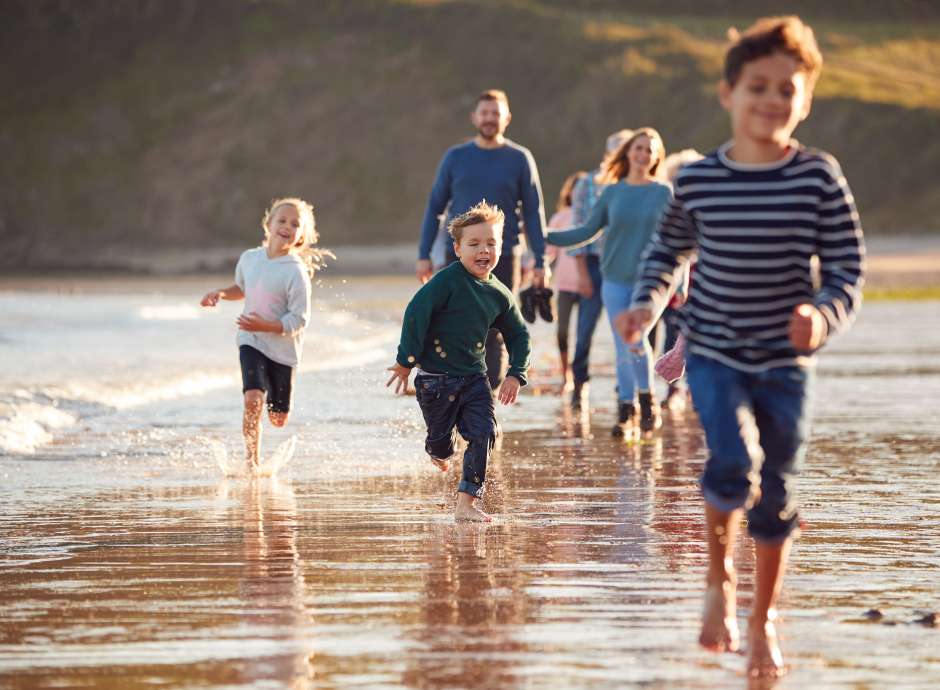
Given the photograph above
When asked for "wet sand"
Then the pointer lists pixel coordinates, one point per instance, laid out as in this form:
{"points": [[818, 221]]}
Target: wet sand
{"points": [[145, 568]]}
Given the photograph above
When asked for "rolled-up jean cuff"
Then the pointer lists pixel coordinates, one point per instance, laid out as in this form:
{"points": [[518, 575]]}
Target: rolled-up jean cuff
{"points": [[466, 487], [723, 503]]}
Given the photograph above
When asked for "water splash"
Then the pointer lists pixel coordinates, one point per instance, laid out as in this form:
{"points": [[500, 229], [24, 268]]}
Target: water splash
{"points": [[280, 457], [237, 467], [219, 453]]}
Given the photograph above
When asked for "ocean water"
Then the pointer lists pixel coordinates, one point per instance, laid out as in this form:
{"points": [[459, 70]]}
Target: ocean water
{"points": [[128, 559]]}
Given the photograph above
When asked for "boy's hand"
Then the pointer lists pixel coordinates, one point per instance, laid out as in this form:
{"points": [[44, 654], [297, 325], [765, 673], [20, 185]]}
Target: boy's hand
{"points": [[254, 322], [807, 327], [631, 323], [509, 390], [423, 270], [400, 376], [211, 299]]}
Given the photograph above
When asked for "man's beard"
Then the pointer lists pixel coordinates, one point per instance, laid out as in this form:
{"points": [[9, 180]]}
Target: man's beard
{"points": [[489, 137]]}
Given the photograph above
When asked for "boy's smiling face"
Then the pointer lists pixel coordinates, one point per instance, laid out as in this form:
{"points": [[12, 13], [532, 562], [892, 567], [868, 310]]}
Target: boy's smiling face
{"points": [[770, 98], [479, 247]]}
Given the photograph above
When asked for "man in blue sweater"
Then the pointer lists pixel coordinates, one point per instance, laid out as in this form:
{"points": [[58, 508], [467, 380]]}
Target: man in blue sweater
{"points": [[489, 167]]}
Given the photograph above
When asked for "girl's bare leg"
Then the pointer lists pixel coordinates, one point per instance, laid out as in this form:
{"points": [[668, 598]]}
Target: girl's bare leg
{"points": [[251, 426], [765, 659], [719, 619]]}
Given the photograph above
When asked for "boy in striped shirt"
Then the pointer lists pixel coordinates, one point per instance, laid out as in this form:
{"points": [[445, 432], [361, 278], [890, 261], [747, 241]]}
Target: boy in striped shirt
{"points": [[757, 211]]}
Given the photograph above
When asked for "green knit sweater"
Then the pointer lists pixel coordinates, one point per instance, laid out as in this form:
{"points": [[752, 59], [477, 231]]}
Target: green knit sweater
{"points": [[446, 323]]}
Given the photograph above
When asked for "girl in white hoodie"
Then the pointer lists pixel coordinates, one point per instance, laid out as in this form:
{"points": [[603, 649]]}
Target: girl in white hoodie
{"points": [[274, 281]]}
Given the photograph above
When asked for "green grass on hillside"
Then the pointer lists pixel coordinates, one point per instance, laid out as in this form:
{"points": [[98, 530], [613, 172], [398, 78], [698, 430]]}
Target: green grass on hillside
{"points": [[180, 134]]}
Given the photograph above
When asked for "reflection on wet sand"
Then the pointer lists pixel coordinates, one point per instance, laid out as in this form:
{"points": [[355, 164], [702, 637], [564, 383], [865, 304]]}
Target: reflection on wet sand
{"points": [[271, 585], [354, 574]]}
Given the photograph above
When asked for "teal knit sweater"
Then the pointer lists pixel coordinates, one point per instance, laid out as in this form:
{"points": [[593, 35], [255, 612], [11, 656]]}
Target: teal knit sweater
{"points": [[628, 215]]}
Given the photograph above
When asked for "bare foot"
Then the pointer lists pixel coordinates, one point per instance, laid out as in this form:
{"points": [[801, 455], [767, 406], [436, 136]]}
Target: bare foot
{"points": [[466, 510], [440, 464], [719, 619], [764, 657]]}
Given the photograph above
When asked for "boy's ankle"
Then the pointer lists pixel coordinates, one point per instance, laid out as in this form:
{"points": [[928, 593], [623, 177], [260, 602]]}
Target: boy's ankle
{"points": [[763, 624]]}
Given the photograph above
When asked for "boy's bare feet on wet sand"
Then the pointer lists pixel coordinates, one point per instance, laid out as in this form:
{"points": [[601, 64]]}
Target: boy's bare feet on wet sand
{"points": [[764, 657], [719, 619], [440, 464], [466, 511]]}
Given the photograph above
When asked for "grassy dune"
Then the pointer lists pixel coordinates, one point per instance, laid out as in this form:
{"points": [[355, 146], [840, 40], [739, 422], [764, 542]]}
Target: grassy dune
{"points": [[174, 123]]}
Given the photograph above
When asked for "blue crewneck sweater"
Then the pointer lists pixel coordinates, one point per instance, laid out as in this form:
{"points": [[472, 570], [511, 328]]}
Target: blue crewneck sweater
{"points": [[505, 176]]}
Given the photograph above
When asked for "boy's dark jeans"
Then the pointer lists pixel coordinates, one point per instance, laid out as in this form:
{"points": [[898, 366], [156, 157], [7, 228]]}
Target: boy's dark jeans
{"points": [[756, 426], [463, 404]]}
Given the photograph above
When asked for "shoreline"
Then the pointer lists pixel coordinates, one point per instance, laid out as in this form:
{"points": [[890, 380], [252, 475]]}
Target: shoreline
{"points": [[906, 267]]}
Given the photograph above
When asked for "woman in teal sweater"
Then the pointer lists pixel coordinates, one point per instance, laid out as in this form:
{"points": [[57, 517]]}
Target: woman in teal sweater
{"points": [[627, 214]]}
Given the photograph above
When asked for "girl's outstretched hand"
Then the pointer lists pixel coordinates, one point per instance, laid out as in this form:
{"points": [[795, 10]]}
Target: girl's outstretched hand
{"points": [[400, 376], [211, 299], [508, 391], [807, 327]]}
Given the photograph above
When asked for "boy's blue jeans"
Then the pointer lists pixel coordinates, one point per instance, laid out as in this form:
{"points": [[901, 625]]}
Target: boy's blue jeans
{"points": [[756, 426], [463, 404], [634, 361]]}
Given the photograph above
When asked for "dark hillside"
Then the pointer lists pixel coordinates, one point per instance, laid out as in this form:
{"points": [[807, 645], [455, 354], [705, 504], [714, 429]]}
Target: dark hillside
{"points": [[160, 123]]}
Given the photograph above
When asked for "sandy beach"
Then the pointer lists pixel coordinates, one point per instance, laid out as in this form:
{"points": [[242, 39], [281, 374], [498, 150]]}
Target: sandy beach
{"points": [[129, 560]]}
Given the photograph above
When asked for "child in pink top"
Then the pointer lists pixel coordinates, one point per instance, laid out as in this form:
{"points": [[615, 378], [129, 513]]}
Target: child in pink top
{"points": [[565, 276]]}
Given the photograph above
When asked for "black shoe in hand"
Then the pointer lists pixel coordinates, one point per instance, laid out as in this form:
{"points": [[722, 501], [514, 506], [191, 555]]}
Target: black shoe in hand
{"points": [[543, 302], [527, 300]]}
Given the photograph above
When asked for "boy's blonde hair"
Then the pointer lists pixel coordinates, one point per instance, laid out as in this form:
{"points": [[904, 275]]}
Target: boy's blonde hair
{"points": [[616, 165], [481, 213], [769, 35], [314, 258]]}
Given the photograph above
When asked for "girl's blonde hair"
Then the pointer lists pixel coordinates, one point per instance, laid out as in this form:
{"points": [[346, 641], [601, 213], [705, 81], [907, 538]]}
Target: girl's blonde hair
{"points": [[616, 165], [314, 258]]}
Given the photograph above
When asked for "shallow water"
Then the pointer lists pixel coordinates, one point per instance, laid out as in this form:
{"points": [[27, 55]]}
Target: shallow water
{"points": [[128, 560]]}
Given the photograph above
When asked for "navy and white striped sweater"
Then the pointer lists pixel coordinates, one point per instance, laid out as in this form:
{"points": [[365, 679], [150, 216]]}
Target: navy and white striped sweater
{"points": [[756, 229]]}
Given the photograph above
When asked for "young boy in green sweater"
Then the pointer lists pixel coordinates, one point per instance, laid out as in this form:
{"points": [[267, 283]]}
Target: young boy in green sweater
{"points": [[443, 339]]}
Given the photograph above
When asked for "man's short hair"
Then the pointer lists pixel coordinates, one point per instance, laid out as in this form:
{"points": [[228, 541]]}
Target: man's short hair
{"points": [[493, 95], [481, 213], [769, 35]]}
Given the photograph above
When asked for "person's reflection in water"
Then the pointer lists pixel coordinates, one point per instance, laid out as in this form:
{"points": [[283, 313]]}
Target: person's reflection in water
{"points": [[676, 515], [473, 600], [271, 586], [575, 423]]}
